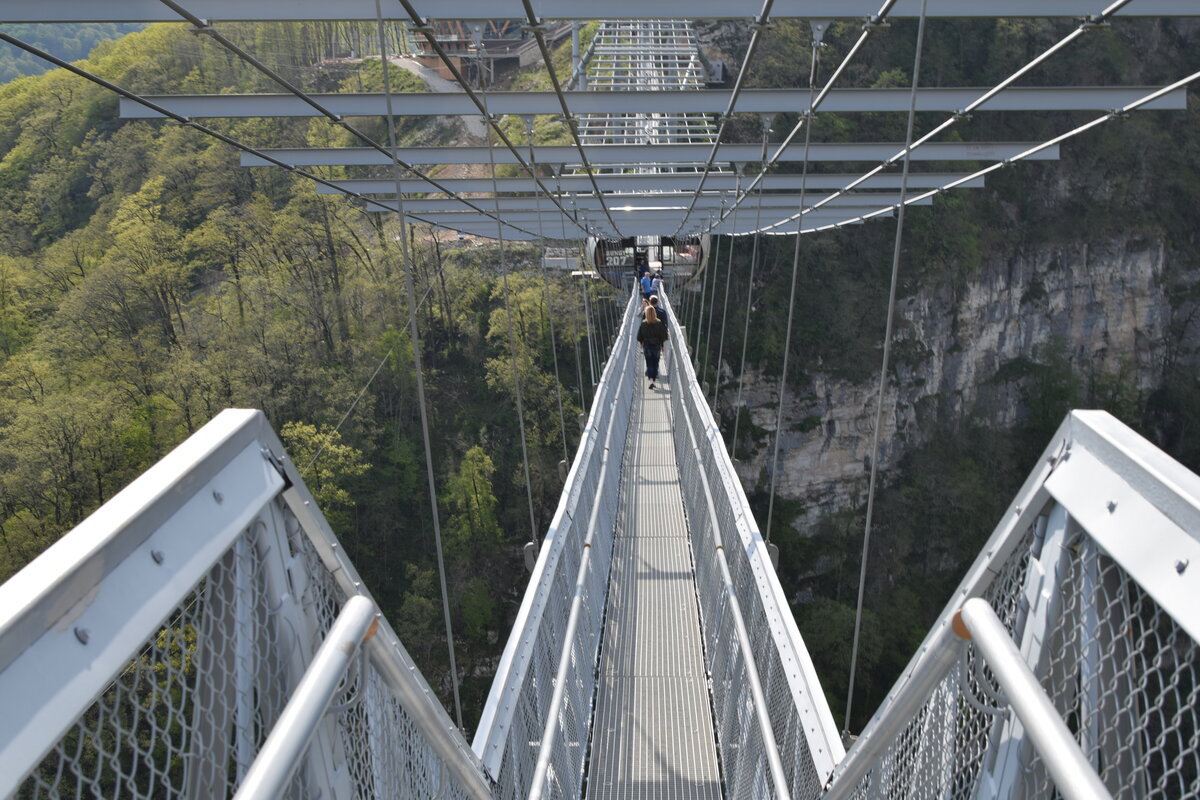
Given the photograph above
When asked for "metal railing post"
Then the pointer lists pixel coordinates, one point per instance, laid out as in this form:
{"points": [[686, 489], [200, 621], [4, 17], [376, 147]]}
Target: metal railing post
{"points": [[289, 739], [1073, 774]]}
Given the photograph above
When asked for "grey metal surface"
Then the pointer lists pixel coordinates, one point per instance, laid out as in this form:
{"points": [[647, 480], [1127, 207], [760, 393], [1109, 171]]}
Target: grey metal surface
{"points": [[235, 10], [637, 154], [704, 101], [680, 181], [653, 735]]}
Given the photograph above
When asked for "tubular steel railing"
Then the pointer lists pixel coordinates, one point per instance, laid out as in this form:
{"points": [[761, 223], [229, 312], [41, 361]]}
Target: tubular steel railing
{"points": [[152, 650], [535, 725], [1092, 584], [752, 646]]}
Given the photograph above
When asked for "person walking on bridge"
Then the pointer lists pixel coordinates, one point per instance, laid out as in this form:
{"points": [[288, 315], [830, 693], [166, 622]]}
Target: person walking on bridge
{"points": [[658, 309], [651, 336]]}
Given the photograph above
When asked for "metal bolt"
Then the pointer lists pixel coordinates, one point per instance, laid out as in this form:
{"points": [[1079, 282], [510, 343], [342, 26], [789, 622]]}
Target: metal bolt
{"points": [[83, 634], [1112, 506], [1181, 566], [158, 556], [220, 498]]}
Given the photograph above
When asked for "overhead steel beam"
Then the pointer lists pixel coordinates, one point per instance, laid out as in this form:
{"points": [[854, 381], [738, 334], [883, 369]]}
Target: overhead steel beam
{"points": [[628, 228], [660, 155], [678, 181], [648, 201], [530, 220], [755, 101], [364, 10]]}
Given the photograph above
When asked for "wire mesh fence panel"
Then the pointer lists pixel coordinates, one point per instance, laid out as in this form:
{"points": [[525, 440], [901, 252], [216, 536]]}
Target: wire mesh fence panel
{"points": [[722, 528], [191, 704], [510, 739], [1112, 653], [177, 721]]}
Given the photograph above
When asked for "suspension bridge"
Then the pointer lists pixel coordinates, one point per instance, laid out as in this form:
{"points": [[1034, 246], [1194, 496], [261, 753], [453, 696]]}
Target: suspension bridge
{"points": [[204, 634]]}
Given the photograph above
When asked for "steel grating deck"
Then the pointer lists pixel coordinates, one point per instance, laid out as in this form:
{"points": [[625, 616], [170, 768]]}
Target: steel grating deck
{"points": [[653, 736]]}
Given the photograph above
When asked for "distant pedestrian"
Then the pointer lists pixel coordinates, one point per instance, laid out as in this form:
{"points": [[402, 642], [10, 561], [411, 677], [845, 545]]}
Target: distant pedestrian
{"points": [[652, 334], [656, 283], [642, 267], [647, 286]]}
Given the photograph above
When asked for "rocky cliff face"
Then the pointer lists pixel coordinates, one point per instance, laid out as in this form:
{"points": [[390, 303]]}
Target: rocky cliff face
{"points": [[1107, 303]]}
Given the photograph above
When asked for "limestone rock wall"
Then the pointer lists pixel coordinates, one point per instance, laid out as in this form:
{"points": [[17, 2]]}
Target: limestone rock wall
{"points": [[1108, 302]]}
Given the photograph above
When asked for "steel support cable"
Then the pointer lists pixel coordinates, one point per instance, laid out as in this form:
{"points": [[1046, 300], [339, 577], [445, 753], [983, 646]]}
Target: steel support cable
{"points": [[787, 337], [574, 317], [965, 112], [737, 406], [761, 24], [512, 339], [423, 27], [538, 28], [415, 338], [698, 321], [189, 123], [725, 305], [887, 350], [712, 303], [874, 22], [205, 26], [1117, 113], [562, 422]]}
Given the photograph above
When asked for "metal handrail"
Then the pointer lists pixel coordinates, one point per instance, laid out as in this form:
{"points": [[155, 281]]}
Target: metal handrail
{"points": [[762, 713], [1073, 774], [537, 786], [282, 752]]}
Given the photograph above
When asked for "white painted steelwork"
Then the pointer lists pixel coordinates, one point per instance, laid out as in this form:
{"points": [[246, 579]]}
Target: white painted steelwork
{"points": [[726, 537], [241, 10], [150, 652], [1091, 573], [521, 702]]}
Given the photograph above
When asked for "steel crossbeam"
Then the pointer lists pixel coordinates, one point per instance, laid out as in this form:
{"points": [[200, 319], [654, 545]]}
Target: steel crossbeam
{"points": [[660, 155], [631, 183], [364, 10], [644, 202]]}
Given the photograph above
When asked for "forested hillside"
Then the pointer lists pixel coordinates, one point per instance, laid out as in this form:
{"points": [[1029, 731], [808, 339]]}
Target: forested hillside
{"points": [[148, 282], [68, 42]]}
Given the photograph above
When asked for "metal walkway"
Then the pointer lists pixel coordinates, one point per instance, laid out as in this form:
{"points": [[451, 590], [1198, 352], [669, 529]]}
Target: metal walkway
{"points": [[653, 735]]}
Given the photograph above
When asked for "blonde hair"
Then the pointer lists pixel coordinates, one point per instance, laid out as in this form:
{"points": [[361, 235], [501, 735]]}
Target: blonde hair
{"points": [[651, 315]]}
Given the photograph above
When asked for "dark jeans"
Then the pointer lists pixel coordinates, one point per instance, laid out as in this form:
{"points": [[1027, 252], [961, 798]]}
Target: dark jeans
{"points": [[652, 352]]}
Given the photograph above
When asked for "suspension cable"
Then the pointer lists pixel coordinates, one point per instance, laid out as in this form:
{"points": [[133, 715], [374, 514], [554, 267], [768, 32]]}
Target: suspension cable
{"points": [[965, 113], [725, 302], [760, 25], [787, 338], [569, 119], [562, 421], [1117, 113], [874, 22], [712, 304], [415, 338], [583, 402], [887, 349], [206, 27], [512, 341], [425, 28], [737, 406]]}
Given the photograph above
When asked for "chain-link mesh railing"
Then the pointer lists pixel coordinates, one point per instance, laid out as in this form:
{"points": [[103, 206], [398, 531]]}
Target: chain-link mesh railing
{"points": [[188, 712], [540, 653], [1120, 669], [800, 720]]}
